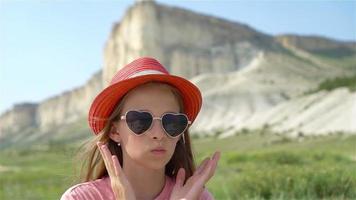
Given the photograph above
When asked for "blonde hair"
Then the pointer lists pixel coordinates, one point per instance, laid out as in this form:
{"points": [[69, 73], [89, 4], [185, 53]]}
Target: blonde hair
{"points": [[93, 166]]}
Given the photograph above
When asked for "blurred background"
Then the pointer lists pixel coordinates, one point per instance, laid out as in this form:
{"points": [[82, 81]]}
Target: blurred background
{"points": [[278, 80]]}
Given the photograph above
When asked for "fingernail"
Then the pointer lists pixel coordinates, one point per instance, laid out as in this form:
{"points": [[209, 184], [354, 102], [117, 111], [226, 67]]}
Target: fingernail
{"points": [[218, 153]]}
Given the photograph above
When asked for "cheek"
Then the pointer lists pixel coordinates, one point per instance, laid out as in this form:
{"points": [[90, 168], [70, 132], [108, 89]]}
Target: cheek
{"points": [[171, 148], [134, 146], [172, 145], [130, 144]]}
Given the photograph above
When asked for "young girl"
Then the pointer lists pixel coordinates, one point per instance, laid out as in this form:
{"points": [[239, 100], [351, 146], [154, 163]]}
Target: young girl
{"points": [[142, 148]]}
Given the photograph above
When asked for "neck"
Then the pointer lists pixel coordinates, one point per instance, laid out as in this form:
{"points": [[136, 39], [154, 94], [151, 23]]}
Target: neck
{"points": [[146, 183]]}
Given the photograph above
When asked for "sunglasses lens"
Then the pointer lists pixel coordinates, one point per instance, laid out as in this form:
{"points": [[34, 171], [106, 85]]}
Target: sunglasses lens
{"points": [[138, 122], [174, 124]]}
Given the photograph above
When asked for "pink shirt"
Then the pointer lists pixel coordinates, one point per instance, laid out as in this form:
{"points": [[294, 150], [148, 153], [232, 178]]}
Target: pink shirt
{"points": [[100, 189]]}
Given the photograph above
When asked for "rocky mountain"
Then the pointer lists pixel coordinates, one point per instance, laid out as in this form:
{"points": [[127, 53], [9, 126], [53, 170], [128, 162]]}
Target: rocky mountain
{"points": [[55, 111], [249, 80], [274, 79]]}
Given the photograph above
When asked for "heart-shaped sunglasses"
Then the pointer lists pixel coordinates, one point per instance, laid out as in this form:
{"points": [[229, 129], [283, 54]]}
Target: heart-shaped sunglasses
{"points": [[173, 124]]}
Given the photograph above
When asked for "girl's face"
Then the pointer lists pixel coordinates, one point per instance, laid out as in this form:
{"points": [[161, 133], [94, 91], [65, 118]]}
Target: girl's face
{"points": [[157, 99]]}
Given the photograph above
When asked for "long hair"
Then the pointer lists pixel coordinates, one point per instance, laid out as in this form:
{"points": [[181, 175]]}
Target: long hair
{"points": [[93, 166]]}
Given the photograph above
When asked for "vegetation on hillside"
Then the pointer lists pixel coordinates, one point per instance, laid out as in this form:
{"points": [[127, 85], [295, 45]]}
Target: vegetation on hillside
{"points": [[252, 166], [331, 84]]}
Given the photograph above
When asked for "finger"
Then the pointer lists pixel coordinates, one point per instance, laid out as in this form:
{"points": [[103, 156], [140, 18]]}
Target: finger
{"points": [[198, 173], [103, 155], [180, 177], [216, 159], [106, 155], [202, 166], [213, 164], [208, 171], [119, 172], [117, 166]]}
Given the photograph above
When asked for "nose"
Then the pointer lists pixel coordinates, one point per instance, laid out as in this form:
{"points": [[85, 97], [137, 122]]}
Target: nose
{"points": [[156, 131]]}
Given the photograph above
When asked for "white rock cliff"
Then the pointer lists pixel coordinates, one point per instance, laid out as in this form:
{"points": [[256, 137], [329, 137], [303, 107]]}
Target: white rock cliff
{"points": [[248, 79]]}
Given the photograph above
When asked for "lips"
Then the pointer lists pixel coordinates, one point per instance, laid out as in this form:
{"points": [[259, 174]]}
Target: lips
{"points": [[158, 151]]}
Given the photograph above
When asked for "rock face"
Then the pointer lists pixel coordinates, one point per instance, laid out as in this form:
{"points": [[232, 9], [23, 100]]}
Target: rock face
{"points": [[316, 114], [187, 43], [241, 98], [318, 45], [248, 79], [19, 117], [53, 112], [69, 106]]}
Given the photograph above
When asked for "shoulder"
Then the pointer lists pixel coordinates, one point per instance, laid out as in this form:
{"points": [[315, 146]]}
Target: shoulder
{"points": [[79, 192], [92, 190], [167, 190]]}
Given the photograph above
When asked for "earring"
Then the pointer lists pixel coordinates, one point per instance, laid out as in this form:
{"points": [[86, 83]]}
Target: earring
{"points": [[118, 144]]}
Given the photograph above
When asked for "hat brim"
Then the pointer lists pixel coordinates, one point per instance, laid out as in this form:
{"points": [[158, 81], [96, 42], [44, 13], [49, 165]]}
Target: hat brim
{"points": [[105, 102]]}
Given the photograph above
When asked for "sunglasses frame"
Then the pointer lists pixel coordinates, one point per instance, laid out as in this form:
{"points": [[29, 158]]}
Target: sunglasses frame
{"points": [[123, 117]]}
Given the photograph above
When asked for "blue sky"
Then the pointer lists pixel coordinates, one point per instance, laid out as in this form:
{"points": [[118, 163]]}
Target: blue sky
{"points": [[48, 47]]}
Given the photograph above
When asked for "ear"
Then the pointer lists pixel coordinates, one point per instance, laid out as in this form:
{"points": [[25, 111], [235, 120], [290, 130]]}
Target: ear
{"points": [[114, 135]]}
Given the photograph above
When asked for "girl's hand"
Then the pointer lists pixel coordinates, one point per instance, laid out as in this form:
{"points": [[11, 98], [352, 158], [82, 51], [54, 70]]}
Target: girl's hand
{"points": [[194, 186], [119, 183]]}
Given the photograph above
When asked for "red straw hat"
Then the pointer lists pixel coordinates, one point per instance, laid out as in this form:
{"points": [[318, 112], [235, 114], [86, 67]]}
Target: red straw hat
{"points": [[137, 72]]}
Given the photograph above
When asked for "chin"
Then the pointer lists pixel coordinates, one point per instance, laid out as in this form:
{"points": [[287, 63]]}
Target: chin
{"points": [[156, 164], [157, 168]]}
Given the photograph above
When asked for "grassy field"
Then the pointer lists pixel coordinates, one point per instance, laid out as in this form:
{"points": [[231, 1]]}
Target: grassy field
{"points": [[253, 166]]}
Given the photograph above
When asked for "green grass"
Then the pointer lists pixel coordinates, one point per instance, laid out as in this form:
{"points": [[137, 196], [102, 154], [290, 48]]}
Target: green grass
{"points": [[252, 166], [331, 84], [335, 53], [262, 167], [348, 62], [35, 174]]}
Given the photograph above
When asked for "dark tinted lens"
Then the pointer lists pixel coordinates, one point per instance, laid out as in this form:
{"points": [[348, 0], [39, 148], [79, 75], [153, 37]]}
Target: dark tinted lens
{"points": [[174, 124], [138, 122]]}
